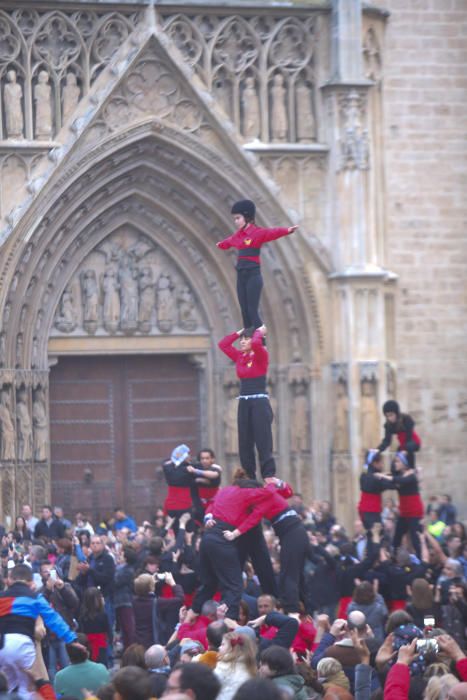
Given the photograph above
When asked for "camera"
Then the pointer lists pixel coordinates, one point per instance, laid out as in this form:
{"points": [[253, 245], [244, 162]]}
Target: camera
{"points": [[427, 646], [160, 577], [429, 621]]}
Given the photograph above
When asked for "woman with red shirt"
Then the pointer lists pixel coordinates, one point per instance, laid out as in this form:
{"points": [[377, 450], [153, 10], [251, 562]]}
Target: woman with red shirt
{"points": [[255, 414], [294, 542]]}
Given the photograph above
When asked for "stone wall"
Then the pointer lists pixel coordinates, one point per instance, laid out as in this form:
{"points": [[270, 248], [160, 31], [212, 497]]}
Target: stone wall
{"points": [[425, 101]]}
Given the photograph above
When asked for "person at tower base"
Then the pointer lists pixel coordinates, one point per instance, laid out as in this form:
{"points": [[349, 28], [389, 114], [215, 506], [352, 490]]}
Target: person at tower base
{"points": [[248, 240], [254, 415], [180, 482], [370, 505], [411, 509], [402, 425]]}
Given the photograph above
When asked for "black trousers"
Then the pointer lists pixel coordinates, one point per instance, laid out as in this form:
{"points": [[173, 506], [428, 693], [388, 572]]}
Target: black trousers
{"points": [[295, 545], [219, 569], [412, 527], [249, 286], [252, 544], [254, 419], [369, 519]]}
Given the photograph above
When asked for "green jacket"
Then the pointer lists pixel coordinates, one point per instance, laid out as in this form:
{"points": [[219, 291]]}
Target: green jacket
{"points": [[294, 681]]}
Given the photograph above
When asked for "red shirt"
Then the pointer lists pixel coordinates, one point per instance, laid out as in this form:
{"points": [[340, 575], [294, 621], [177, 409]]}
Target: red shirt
{"points": [[252, 236], [196, 630], [239, 507], [305, 638], [248, 365]]}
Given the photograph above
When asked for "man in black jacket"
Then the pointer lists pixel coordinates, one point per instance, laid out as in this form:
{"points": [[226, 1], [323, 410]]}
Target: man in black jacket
{"points": [[99, 572], [48, 526]]}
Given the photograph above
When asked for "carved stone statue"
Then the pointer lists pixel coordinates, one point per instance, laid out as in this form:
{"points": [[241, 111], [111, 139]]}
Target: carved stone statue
{"points": [[187, 310], [24, 427], [42, 98], [70, 95], [12, 97], [7, 429], [369, 415], [66, 318], [299, 422], [251, 110], [165, 304], [128, 279], [111, 306], [341, 430], [306, 130], [279, 119], [39, 421], [146, 299], [90, 294]]}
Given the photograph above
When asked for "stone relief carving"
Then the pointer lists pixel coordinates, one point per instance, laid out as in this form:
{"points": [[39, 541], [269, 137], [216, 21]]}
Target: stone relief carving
{"points": [[250, 64], [70, 96], [300, 439], [23, 426], [372, 55], [354, 139], [279, 118], [127, 285], [7, 427], [13, 96], [306, 129], [71, 47], [251, 110], [65, 319], [42, 99], [39, 420], [341, 429], [370, 426]]}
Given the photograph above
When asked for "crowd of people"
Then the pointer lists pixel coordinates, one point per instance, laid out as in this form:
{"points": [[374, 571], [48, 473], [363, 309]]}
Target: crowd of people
{"points": [[114, 609], [242, 591]]}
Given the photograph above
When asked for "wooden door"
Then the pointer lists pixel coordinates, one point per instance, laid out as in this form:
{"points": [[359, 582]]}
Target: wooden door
{"points": [[113, 420]]}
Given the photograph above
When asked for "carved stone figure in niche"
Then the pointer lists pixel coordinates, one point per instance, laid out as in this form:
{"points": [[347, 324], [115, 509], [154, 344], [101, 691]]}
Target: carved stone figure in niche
{"points": [[299, 422], [230, 422], [128, 279], [42, 98], [306, 130], [187, 310], [7, 428], [66, 317], [251, 111], [146, 299], [71, 93], [12, 97], [279, 120], [369, 415], [165, 304], [111, 305], [19, 350], [39, 421], [90, 294], [24, 427], [341, 430]]}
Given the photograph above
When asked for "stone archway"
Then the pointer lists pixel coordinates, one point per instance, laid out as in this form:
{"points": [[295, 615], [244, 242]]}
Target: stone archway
{"points": [[174, 195]]}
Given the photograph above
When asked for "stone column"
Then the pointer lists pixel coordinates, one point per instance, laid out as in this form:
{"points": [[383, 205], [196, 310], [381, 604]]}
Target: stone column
{"points": [[360, 285]]}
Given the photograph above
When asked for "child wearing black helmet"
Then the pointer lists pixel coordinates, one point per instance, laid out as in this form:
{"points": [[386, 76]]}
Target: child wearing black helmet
{"points": [[248, 239], [402, 425]]}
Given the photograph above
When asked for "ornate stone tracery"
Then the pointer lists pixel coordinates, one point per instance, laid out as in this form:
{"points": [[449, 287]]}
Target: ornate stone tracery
{"points": [[264, 60], [61, 44]]}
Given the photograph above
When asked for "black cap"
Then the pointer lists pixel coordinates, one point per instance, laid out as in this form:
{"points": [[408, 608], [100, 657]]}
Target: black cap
{"points": [[245, 207], [391, 407]]}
